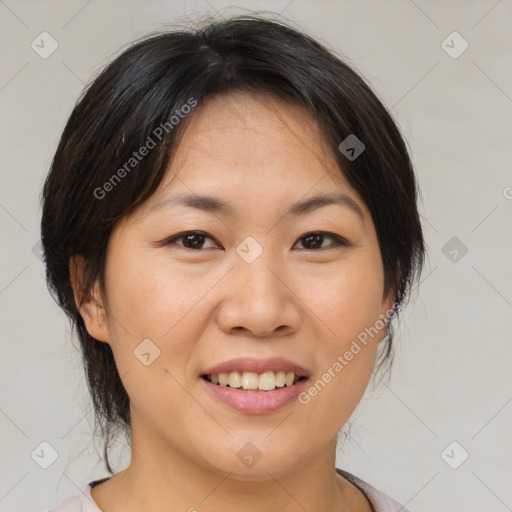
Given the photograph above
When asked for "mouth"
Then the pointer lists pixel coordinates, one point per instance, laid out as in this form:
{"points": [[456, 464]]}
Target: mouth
{"points": [[254, 401], [253, 385], [253, 381]]}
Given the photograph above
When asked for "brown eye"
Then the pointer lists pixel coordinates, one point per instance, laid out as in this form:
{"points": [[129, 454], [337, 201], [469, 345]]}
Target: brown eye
{"points": [[191, 240], [316, 239]]}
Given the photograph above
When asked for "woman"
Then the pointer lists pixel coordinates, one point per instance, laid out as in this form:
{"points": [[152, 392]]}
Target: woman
{"points": [[230, 223]]}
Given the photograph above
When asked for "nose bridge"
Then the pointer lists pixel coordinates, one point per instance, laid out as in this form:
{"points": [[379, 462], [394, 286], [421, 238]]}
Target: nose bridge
{"points": [[255, 269], [258, 299]]}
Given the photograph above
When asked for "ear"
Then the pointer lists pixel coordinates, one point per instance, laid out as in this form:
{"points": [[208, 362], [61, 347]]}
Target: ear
{"points": [[389, 301], [387, 309], [89, 304]]}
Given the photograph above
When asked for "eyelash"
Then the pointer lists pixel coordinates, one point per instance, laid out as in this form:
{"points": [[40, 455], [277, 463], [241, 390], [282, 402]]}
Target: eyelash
{"points": [[338, 241]]}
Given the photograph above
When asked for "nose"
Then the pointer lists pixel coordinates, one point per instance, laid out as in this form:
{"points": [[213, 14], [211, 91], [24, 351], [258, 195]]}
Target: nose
{"points": [[259, 300]]}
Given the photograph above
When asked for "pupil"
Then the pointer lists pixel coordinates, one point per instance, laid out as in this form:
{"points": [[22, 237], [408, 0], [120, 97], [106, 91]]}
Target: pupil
{"points": [[188, 238], [315, 238]]}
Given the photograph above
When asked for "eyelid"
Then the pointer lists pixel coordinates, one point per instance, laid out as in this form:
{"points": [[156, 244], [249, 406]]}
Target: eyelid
{"points": [[339, 241], [170, 239]]}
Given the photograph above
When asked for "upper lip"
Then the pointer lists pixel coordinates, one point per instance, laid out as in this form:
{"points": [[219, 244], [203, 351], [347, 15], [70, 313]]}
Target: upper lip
{"points": [[249, 364]]}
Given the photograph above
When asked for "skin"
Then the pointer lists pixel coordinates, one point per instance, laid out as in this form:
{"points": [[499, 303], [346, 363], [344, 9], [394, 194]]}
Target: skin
{"points": [[204, 306]]}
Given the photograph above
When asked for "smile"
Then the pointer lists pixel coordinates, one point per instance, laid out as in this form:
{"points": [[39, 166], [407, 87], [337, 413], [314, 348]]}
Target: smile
{"points": [[252, 381], [254, 401]]}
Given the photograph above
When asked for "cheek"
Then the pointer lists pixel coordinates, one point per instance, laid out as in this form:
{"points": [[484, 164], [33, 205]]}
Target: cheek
{"points": [[151, 310], [148, 295], [350, 298], [344, 370], [348, 306], [152, 300]]}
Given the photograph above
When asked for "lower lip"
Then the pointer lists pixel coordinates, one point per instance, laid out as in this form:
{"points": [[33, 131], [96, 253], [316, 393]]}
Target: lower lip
{"points": [[256, 402]]}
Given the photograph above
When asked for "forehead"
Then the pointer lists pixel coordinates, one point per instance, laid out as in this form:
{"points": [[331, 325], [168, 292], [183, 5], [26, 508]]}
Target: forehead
{"points": [[244, 110], [250, 156], [237, 138]]}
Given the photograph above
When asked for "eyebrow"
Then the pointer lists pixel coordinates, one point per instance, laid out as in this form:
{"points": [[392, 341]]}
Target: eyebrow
{"points": [[215, 205]]}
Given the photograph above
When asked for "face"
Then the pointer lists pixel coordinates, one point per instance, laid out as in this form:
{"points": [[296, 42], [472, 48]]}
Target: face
{"points": [[260, 284]]}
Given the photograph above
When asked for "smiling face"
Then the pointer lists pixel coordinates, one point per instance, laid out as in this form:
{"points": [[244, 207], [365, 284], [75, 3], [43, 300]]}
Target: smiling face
{"points": [[264, 278]]}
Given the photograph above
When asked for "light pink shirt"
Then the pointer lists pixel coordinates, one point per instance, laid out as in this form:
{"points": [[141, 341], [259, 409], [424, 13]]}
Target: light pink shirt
{"points": [[380, 502]]}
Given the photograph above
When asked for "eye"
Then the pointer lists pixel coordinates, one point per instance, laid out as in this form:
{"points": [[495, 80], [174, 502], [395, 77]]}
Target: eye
{"points": [[191, 240], [315, 239], [195, 240]]}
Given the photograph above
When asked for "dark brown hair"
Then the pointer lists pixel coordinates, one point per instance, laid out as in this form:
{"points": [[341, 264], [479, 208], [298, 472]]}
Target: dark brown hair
{"points": [[148, 84]]}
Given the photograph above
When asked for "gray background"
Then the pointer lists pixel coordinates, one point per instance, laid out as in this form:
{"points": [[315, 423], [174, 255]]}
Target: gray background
{"points": [[452, 373]]}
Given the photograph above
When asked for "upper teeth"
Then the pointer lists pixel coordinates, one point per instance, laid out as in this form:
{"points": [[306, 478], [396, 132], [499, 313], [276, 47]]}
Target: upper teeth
{"points": [[265, 381]]}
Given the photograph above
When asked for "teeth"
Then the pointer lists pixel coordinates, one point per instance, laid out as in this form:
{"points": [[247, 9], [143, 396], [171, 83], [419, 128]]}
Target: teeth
{"points": [[267, 381], [235, 380], [250, 381], [280, 379]]}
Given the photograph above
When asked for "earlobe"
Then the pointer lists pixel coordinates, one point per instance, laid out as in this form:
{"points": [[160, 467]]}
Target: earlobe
{"points": [[88, 302], [389, 305], [388, 308]]}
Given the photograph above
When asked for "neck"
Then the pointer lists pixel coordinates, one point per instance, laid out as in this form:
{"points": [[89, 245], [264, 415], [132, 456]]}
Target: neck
{"points": [[159, 479], [163, 476]]}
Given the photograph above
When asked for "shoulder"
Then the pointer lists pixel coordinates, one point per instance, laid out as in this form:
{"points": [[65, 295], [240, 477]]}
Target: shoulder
{"points": [[380, 502], [82, 502]]}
